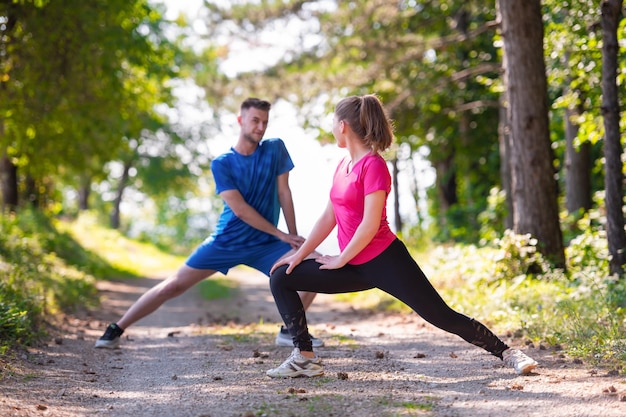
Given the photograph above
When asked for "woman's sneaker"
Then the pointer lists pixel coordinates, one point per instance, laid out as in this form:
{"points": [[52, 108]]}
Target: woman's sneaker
{"points": [[111, 337], [283, 338], [297, 365], [521, 362]]}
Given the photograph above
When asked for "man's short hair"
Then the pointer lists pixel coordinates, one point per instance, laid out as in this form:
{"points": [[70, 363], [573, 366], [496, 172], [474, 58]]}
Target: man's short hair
{"points": [[256, 103]]}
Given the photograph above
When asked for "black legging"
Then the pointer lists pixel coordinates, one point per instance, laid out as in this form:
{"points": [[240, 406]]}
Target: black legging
{"points": [[393, 271]]}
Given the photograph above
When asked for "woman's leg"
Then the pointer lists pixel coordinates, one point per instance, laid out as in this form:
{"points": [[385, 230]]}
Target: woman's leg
{"points": [[308, 277], [396, 272]]}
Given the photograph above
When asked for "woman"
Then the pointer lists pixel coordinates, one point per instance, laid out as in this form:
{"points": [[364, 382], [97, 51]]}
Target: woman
{"points": [[371, 254]]}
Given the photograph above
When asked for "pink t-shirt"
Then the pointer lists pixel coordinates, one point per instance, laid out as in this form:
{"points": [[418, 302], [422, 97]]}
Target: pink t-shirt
{"points": [[347, 195]]}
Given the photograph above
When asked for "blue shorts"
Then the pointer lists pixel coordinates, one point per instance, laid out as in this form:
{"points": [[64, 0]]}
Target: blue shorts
{"points": [[261, 257]]}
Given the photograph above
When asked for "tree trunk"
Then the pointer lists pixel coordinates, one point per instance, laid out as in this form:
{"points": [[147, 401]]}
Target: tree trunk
{"points": [[577, 168], [115, 214], [84, 191], [31, 191], [415, 186], [613, 176], [535, 208], [8, 182], [505, 163], [446, 188], [396, 200]]}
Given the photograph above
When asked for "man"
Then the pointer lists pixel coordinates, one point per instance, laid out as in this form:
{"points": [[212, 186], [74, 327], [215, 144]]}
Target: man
{"points": [[253, 180]]}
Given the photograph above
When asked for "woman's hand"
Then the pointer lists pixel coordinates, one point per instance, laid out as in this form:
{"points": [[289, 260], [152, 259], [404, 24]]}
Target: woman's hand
{"points": [[330, 262], [291, 260]]}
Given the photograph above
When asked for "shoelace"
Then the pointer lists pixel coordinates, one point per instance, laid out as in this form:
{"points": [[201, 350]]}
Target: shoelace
{"points": [[290, 359]]}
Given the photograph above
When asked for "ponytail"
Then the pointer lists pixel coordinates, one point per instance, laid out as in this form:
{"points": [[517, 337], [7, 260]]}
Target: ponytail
{"points": [[368, 119]]}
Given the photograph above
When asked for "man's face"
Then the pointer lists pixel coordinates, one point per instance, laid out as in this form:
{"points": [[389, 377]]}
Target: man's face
{"points": [[253, 123]]}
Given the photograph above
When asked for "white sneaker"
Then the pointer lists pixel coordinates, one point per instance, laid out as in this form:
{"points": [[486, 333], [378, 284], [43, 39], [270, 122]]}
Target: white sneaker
{"points": [[284, 339], [521, 362], [297, 365]]}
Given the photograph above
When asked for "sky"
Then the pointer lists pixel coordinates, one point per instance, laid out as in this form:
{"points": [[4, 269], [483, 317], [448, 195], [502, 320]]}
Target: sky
{"points": [[311, 178]]}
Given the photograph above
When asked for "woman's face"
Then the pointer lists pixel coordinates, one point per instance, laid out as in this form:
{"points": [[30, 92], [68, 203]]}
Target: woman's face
{"points": [[338, 128]]}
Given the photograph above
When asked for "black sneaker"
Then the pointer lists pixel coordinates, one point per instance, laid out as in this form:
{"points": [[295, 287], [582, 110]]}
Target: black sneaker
{"points": [[111, 337]]}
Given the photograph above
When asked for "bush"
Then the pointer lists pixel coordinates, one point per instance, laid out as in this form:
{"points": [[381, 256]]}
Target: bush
{"points": [[36, 282]]}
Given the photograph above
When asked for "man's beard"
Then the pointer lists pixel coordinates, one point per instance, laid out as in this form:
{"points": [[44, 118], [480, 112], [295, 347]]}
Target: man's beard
{"points": [[252, 138]]}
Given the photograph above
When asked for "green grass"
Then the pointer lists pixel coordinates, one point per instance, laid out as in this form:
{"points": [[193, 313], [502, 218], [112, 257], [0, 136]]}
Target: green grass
{"points": [[120, 255], [217, 288]]}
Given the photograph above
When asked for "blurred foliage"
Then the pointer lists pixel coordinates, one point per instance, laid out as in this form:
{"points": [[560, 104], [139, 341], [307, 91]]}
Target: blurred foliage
{"points": [[509, 286], [41, 277], [49, 267]]}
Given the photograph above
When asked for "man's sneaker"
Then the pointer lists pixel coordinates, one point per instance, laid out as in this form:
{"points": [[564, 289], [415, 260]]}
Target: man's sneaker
{"points": [[297, 365], [283, 338], [522, 363], [111, 337]]}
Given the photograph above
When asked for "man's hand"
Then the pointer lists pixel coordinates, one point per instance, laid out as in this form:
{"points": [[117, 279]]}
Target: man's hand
{"points": [[294, 240]]}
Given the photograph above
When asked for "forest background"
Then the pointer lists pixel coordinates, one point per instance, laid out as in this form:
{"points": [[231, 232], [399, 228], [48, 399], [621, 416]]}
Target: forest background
{"points": [[516, 106]]}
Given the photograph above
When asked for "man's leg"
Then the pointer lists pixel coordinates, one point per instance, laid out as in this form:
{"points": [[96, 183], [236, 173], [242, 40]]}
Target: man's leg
{"points": [[173, 286], [307, 298], [152, 299]]}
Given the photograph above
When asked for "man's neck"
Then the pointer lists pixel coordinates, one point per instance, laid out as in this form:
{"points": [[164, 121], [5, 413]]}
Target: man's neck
{"points": [[245, 147]]}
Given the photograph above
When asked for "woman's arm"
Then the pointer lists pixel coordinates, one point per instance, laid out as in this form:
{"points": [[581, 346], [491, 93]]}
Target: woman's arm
{"points": [[322, 228], [372, 213]]}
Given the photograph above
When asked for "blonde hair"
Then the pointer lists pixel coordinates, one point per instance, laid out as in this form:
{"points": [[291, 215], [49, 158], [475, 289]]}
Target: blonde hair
{"points": [[368, 119]]}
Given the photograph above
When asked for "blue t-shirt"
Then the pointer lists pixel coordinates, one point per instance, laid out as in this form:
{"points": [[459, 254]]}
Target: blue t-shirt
{"points": [[255, 177]]}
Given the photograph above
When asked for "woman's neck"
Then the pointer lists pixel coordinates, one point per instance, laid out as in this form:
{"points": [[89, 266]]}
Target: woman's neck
{"points": [[358, 153]]}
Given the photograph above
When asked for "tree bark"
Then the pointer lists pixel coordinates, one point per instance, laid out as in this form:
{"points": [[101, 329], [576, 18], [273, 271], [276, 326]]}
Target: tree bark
{"points": [[115, 213], [84, 191], [8, 182], [505, 163], [446, 187], [396, 200], [613, 176], [534, 188], [31, 191], [577, 168]]}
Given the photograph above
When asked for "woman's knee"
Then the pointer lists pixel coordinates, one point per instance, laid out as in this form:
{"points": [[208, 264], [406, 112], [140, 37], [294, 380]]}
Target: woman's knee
{"points": [[277, 279]]}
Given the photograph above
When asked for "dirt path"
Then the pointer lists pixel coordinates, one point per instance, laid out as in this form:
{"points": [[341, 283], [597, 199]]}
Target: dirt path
{"points": [[208, 359]]}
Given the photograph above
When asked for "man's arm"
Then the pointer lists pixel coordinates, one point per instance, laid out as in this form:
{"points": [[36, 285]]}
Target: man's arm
{"points": [[286, 203], [248, 214]]}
